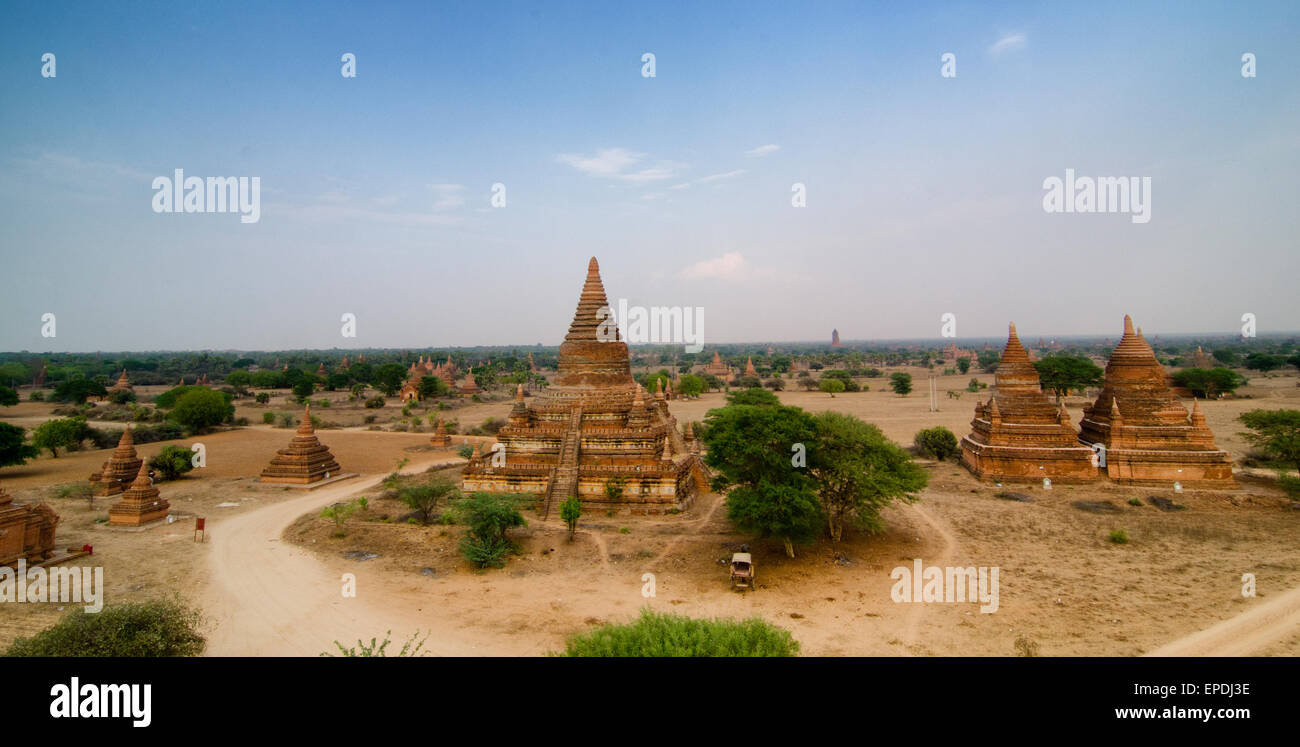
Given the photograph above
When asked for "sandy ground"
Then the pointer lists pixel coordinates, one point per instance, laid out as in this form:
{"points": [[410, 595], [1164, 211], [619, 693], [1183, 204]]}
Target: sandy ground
{"points": [[270, 578]]}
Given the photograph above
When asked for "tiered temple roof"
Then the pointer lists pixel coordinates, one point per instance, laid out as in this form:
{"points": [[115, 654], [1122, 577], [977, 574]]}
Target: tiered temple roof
{"points": [[141, 503], [1020, 434], [120, 469], [593, 424], [1149, 436], [304, 461]]}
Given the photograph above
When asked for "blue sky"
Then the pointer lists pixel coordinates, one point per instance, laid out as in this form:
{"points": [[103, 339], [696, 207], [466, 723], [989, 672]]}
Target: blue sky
{"points": [[924, 192]]}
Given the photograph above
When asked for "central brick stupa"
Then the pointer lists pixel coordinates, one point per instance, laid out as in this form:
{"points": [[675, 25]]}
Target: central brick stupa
{"points": [[141, 503], [1020, 434], [1149, 436], [594, 424], [304, 461]]}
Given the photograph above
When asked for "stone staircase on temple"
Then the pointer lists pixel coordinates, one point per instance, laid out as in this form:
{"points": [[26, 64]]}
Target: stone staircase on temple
{"points": [[564, 480]]}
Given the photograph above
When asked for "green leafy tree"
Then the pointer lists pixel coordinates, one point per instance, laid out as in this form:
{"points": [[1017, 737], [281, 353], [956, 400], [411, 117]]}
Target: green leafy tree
{"points": [[14, 373], [754, 396], [691, 385], [8, 397], [14, 449], [303, 387], [1063, 373], [1225, 356], [388, 378], [201, 408], [937, 442], [988, 360], [858, 472], [963, 364], [172, 462], [901, 383], [78, 390], [239, 379], [432, 386], [1209, 382], [1264, 362], [1277, 432], [570, 512], [831, 386], [751, 449], [61, 433]]}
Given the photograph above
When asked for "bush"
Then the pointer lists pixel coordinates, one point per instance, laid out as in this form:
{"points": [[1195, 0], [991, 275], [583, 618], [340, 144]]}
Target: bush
{"points": [[465, 451], [1290, 485], [36, 396], [62, 433], [665, 634], [490, 517], [262, 398], [141, 629], [375, 403], [936, 443], [424, 498], [901, 383], [268, 417], [121, 396], [172, 462], [1119, 536]]}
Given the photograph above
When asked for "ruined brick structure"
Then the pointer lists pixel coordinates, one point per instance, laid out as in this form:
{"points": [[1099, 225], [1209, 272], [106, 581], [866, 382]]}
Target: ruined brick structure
{"points": [[1020, 434], [593, 424], [26, 532], [1150, 438]]}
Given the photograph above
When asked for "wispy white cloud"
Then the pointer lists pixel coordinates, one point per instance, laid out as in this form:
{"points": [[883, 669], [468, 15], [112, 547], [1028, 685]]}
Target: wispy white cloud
{"points": [[447, 196], [709, 178], [729, 265], [1008, 43], [762, 150], [618, 163]]}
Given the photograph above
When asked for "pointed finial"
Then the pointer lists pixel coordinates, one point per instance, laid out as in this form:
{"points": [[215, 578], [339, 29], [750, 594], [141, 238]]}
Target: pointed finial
{"points": [[1128, 324], [519, 393]]}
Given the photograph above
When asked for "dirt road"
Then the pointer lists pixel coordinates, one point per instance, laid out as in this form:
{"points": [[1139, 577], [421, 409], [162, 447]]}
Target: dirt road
{"points": [[1246, 634], [265, 597]]}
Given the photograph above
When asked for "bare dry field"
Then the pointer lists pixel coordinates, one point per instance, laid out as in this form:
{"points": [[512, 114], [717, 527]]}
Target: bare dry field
{"points": [[269, 578]]}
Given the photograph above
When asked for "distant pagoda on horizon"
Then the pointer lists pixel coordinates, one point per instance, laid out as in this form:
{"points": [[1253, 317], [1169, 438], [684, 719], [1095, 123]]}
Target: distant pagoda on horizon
{"points": [[835, 339], [1149, 436], [594, 423], [1020, 434], [304, 461]]}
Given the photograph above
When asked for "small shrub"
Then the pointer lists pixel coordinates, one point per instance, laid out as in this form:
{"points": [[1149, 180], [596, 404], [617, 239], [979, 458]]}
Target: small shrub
{"points": [[937, 442], [268, 417], [374, 403], [1119, 536], [1134, 502], [172, 462]]}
